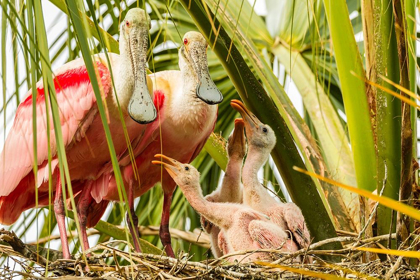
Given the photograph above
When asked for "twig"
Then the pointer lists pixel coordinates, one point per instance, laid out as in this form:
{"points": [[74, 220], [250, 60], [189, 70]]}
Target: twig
{"points": [[372, 214], [391, 226], [345, 233], [393, 268]]}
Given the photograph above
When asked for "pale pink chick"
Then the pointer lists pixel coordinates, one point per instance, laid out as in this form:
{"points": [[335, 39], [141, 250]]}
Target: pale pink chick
{"points": [[244, 228], [261, 140], [231, 187]]}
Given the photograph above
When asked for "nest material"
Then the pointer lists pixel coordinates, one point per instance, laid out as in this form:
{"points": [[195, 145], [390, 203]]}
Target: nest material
{"points": [[129, 265]]}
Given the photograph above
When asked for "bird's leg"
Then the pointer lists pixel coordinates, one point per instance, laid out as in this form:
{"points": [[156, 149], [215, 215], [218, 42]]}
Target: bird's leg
{"points": [[133, 222], [164, 234], [59, 215], [83, 204]]}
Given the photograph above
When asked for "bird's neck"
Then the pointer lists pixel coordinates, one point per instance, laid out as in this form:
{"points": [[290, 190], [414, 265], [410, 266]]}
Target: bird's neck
{"points": [[193, 115], [231, 190], [189, 82], [188, 76], [124, 84], [254, 192], [254, 161], [216, 213]]}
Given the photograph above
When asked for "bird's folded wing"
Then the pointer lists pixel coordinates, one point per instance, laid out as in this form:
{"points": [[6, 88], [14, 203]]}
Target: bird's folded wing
{"points": [[75, 98], [266, 234]]}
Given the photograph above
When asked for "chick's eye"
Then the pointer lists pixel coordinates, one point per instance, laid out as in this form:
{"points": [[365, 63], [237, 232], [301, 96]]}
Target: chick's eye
{"points": [[187, 168], [185, 41], [127, 23], [264, 130]]}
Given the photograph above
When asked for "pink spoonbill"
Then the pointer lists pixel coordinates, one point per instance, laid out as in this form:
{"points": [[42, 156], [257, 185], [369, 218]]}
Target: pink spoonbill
{"points": [[181, 129], [243, 227], [231, 188], [84, 138], [261, 140]]}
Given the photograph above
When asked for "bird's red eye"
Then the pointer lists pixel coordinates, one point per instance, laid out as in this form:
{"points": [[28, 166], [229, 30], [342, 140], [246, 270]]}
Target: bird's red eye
{"points": [[127, 23], [185, 41]]}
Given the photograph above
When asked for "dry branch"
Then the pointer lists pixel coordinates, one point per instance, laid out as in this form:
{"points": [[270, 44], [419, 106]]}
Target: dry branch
{"points": [[109, 262]]}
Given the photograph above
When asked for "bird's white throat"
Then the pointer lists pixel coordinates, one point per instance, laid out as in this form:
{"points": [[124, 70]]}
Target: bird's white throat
{"points": [[193, 115]]}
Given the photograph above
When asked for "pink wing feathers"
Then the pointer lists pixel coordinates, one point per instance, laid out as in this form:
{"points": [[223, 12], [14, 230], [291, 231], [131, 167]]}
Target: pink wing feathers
{"points": [[75, 98], [296, 224], [23, 198], [269, 236]]}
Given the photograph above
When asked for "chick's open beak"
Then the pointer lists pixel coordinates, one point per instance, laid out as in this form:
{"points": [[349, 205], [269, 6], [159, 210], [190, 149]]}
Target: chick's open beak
{"points": [[251, 121], [238, 137], [172, 166]]}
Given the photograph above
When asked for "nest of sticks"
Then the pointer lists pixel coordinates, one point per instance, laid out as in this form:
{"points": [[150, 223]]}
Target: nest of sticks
{"points": [[23, 260]]}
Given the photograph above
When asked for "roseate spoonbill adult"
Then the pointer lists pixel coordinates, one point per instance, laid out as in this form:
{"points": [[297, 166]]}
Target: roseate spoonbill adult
{"points": [[243, 227], [231, 188], [261, 140], [181, 129], [83, 134]]}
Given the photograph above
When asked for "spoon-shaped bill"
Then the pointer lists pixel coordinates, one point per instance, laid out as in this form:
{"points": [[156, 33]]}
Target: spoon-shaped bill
{"points": [[206, 89], [141, 107]]}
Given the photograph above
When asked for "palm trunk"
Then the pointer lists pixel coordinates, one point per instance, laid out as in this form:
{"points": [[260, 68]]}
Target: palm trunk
{"points": [[382, 60], [403, 222]]}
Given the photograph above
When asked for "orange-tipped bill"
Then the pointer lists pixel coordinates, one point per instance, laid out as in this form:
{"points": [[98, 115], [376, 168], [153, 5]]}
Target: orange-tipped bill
{"points": [[238, 137], [239, 123], [250, 119], [171, 165]]}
